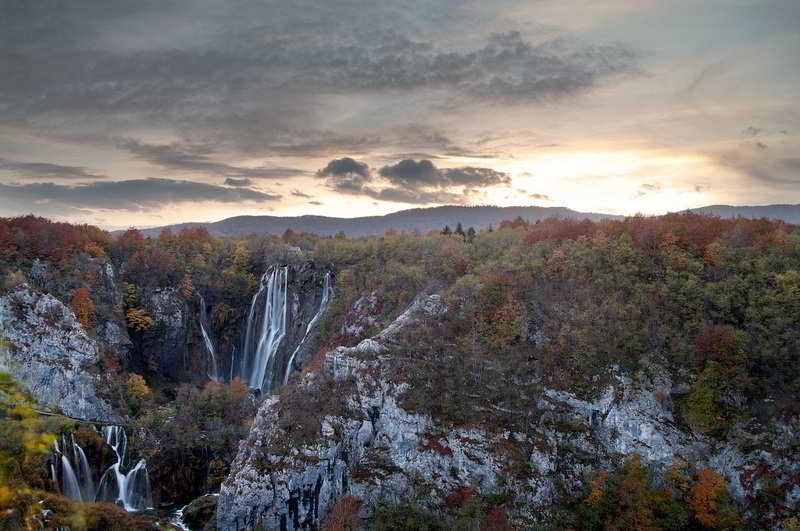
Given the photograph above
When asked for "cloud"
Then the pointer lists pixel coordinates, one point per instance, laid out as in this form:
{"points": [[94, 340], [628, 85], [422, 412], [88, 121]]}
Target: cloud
{"points": [[410, 181], [533, 195], [411, 174], [316, 203], [651, 187], [346, 175], [230, 181], [298, 193], [196, 159], [130, 195], [752, 131], [45, 170]]}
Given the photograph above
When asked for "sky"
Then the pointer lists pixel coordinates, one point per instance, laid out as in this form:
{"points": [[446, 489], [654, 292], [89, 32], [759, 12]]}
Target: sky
{"points": [[149, 112]]}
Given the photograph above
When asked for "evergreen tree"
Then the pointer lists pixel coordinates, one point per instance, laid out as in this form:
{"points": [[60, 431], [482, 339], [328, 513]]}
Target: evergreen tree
{"points": [[460, 230], [470, 234], [446, 230]]}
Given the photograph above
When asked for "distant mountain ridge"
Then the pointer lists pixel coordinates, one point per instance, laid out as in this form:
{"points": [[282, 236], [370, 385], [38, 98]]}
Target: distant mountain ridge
{"points": [[434, 218], [787, 213], [416, 219]]}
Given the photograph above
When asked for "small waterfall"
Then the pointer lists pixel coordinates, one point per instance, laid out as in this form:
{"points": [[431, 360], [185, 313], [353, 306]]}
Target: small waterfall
{"points": [[70, 488], [258, 361], [131, 490], [84, 474], [76, 476], [214, 374], [327, 295]]}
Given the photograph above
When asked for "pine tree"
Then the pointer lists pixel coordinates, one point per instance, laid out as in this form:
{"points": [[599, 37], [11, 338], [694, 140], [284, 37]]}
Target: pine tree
{"points": [[460, 230], [446, 230], [470, 234]]}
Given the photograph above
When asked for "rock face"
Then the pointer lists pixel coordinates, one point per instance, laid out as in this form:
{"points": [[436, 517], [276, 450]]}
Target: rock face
{"points": [[167, 341], [381, 453], [199, 514], [48, 351]]}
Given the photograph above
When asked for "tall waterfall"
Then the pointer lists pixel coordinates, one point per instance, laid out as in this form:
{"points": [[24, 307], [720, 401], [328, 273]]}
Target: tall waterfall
{"points": [[212, 353], [327, 295], [258, 357], [131, 490]]}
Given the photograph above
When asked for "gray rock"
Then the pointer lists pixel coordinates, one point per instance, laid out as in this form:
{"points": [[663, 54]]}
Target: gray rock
{"points": [[48, 351]]}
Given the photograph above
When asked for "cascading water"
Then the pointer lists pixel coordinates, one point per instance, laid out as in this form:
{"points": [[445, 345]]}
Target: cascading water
{"points": [[214, 371], [76, 476], [258, 358], [327, 295], [70, 487], [131, 490]]}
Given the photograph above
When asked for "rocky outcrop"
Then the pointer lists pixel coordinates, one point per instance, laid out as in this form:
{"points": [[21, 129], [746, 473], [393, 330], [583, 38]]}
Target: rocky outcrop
{"points": [[48, 351], [381, 453], [199, 515], [167, 341]]}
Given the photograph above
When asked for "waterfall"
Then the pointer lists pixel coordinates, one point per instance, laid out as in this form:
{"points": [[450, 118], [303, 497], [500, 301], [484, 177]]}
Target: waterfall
{"points": [[327, 295], [76, 476], [131, 490], [84, 474], [70, 489], [214, 375], [258, 362]]}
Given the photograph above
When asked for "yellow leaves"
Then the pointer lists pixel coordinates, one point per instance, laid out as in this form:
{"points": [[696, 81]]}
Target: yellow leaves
{"points": [[597, 488], [137, 387], [95, 250], [186, 287], [138, 319]]}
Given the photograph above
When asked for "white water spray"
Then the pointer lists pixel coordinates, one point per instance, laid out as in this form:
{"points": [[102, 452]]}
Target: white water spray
{"points": [[131, 490], [327, 295], [214, 374]]}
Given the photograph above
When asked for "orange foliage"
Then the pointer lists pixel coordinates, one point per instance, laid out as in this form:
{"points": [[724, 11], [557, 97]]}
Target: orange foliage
{"points": [[344, 516], [84, 307], [139, 320], [703, 497]]}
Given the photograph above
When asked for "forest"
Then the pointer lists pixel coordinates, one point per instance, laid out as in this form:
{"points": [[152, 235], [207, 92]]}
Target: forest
{"points": [[552, 306]]}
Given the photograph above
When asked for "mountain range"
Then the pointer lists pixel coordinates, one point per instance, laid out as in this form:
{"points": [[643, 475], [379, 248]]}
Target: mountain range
{"points": [[435, 218]]}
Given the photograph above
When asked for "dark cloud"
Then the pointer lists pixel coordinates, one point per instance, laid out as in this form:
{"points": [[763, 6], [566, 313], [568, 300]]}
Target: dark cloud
{"points": [[412, 174], [752, 131], [131, 195], [298, 193], [231, 181], [763, 167], [255, 78], [197, 159], [651, 187], [45, 170], [410, 181], [346, 175], [315, 203]]}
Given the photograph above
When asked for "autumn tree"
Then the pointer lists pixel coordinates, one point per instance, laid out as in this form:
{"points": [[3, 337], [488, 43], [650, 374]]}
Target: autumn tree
{"points": [[709, 501], [84, 307]]}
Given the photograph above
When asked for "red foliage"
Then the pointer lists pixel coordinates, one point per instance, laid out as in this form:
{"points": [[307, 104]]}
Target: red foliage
{"points": [[460, 497], [716, 343], [434, 445], [497, 520], [30, 237]]}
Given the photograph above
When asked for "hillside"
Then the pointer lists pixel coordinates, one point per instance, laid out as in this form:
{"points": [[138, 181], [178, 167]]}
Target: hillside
{"points": [[639, 373], [787, 213], [417, 219]]}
